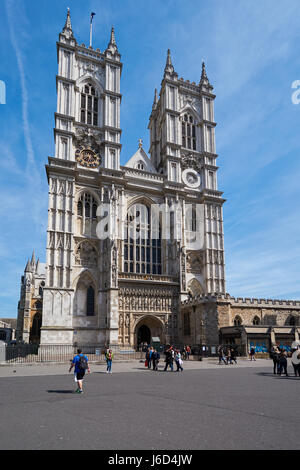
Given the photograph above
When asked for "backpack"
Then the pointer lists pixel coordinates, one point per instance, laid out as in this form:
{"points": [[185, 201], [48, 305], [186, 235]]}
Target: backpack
{"points": [[83, 363]]}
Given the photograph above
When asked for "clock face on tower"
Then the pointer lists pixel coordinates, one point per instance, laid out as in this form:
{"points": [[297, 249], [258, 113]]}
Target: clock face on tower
{"points": [[87, 157], [191, 178]]}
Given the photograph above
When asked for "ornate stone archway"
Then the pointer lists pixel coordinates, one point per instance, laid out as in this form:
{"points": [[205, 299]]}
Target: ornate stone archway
{"points": [[153, 324]]}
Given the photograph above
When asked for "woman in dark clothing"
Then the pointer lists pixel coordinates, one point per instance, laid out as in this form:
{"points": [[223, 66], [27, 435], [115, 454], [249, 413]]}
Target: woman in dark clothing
{"points": [[283, 362], [275, 357], [233, 356]]}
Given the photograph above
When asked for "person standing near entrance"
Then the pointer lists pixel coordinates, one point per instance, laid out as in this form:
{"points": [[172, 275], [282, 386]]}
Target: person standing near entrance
{"points": [[155, 359], [80, 361], [148, 358]]}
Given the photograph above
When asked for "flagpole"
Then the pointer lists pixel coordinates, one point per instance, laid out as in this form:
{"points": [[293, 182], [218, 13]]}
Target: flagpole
{"points": [[91, 29]]}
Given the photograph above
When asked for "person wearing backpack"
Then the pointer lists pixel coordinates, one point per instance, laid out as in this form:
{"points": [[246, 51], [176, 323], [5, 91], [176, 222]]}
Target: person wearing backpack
{"points": [[80, 361]]}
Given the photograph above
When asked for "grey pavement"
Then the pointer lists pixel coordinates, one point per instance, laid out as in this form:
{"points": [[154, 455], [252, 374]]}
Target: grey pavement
{"points": [[22, 370], [206, 406]]}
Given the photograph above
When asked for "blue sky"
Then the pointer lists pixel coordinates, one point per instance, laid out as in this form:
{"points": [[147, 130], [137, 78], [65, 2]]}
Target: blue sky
{"points": [[251, 51]]}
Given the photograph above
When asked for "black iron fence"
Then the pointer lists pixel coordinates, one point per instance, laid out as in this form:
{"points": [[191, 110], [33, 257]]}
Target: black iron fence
{"points": [[57, 353]]}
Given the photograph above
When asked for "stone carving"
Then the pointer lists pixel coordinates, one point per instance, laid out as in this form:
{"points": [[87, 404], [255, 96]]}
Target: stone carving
{"points": [[88, 138], [114, 265], [191, 161], [194, 262], [86, 255], [147, 299]]}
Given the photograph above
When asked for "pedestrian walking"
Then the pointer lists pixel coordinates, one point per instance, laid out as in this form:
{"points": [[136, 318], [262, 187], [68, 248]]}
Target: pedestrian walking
{"points": [[233, 356], [188, 352], [178, 361], [283, 362], [228, 356], [221, 356], [252, 353], [80, 362], [169, 359], [109, 357], [155, 359]]}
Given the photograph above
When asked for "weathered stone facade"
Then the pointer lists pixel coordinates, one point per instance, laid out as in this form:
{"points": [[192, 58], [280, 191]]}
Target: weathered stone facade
{"points": [[30, 305], [135, 251], [226, 319]]}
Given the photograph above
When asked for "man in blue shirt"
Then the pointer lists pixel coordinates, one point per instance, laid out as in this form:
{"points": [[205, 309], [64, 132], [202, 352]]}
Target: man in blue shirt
{"points": [[80, 361]]}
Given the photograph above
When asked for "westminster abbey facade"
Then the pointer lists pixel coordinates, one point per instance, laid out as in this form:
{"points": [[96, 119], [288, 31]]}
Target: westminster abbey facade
{"points": [[134, 251]]}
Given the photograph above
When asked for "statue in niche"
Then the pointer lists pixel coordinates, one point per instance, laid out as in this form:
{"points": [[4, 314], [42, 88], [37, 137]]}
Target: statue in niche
{"points": [[86, 255]]}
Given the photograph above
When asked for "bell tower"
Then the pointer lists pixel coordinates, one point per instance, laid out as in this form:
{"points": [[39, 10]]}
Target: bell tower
{"points": [[183, 150], [77, 303]]}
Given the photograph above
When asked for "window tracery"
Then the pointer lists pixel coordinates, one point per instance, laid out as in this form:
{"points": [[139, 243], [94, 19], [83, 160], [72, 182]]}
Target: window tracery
{"points": [[188, 130], [142, 250], [89, 101]]}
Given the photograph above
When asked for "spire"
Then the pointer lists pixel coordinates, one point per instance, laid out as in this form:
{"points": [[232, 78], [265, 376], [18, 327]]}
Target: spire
{"points": [[169, 66], [203, 75], [112, 48], [155, 101], [67, 30], [28, 267], [204, 82], [33, 259], [169, 60], [112, 36], [169, 69]]}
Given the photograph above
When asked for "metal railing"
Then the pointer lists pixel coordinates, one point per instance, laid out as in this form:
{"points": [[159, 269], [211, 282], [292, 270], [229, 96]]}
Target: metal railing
{"points": [[57, 353]]}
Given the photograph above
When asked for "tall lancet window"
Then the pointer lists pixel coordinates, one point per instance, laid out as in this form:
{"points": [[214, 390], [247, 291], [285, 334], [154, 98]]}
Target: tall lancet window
{"points": [[89, 102], [142, 242], [87, 207], [90, 302], [188, 130]]}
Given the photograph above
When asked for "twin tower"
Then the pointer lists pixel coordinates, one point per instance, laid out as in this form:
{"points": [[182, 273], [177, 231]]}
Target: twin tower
{"points": [[126, 245]]}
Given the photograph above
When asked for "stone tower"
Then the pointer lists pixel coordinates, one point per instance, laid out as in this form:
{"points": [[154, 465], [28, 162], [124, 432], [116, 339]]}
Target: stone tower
{"points": [[182, 148], [87, 146], [126, 244]]}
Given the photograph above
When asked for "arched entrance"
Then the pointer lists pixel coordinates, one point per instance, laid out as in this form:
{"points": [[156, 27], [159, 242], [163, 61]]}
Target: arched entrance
{"points": [[147, 328], [143, 335], [35, 331]]}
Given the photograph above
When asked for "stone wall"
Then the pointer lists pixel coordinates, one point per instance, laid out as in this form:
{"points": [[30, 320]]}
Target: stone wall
{"points": [[209, 313]]}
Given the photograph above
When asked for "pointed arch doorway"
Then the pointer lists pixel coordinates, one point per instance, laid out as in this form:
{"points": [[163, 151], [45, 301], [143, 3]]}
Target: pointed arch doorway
{"points": [[146, 329], [143, 335]]}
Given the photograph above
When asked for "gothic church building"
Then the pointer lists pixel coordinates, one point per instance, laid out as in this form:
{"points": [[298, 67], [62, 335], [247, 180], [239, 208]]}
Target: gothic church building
{"points": [[133, 251]]}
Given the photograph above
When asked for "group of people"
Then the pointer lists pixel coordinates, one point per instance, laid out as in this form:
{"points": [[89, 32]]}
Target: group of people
{"points": [[152, 358], [172, 354], [280, 357], [227, 356]]}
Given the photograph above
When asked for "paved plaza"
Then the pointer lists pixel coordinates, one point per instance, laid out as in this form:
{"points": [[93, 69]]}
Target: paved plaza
{"points": [[207, 406]]}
